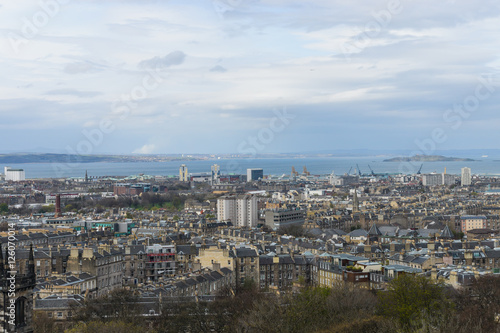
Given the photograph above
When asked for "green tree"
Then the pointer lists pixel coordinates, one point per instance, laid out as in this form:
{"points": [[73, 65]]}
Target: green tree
{"points": [[107, 327], [313, 310], [478, 306], [43, 323], [119, 304], [48, 209], [4, 226], [412, 299], [4, 208]]}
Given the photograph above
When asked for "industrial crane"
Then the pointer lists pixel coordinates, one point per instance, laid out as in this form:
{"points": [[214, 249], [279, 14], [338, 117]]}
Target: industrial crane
{"points": [[359, 171], [373, 173], [419, 170]]}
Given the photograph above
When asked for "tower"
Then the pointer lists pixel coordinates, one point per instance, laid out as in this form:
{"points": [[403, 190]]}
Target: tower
{"points": [[466, 177], [16, 292], [86, 177], [183, 173], [215, 174], [58, 206], [355, 202]]}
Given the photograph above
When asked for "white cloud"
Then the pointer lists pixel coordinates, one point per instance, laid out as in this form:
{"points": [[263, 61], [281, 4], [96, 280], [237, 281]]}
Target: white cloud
{"points": [[146, 149]]}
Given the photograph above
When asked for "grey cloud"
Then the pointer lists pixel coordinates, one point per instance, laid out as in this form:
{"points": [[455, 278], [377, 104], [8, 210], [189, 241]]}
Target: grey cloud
{"points": [[171, 59], [219, 69], [73, 92], [82, 67]]}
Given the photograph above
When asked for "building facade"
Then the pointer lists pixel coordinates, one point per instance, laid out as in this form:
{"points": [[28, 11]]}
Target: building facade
{"points": [[278, 218], [470, 222], [241, 210], [183, 173], [14, 175], [466, 177], [254, 174]]}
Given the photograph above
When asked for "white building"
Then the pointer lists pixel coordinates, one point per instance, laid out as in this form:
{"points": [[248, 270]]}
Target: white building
{"points": [[434, 179], [241, 210], [14, 175], [448, 179], [466, 177]]}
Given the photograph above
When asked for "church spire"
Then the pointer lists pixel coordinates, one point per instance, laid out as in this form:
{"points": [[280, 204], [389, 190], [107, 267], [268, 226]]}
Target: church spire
{"points": [[355, 201]]}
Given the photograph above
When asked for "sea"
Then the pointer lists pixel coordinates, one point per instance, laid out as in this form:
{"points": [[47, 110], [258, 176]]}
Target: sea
{"points": [[271, 166]]}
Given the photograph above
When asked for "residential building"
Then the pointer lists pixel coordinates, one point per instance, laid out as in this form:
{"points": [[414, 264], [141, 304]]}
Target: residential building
{"points": [[470, 222], [278, 218], [434, 179], [241, 210], [466, 177], [105, 263], [160, 262], [246, 265]]}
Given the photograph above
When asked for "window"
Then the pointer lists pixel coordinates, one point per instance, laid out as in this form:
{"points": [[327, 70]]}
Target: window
{"points": [[19, 308]]}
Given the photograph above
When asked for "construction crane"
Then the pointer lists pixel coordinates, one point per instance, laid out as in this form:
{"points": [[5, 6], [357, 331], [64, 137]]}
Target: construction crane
{"points": [[419, 170], [373, 173], [294, 173], [306, 173], [349, 172], [359, 171]]}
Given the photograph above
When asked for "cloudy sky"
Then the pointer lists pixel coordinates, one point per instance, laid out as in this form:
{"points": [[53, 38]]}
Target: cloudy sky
{"points": [[211, 76]]}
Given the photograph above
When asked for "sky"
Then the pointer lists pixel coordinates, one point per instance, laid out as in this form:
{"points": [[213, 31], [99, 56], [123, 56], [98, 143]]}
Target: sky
{"points": [[248, 76]]}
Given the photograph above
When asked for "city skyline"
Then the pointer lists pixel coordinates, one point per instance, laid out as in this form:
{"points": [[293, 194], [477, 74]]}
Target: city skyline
{"points": [[236, 76]]}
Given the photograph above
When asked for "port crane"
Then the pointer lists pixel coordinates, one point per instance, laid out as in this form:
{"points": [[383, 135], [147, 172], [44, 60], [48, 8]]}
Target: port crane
{"points": [[371, 170], [419, 170], [359, 171]]}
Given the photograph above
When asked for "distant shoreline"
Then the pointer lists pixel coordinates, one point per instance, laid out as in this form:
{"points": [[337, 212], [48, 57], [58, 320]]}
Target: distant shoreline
{"points": [[429, 158]]}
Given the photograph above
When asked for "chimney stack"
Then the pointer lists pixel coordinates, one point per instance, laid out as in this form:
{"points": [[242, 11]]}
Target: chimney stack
{"points": [[58, 206]]}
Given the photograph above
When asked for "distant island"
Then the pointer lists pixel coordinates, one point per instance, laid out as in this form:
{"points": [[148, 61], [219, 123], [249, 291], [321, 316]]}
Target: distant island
{"points": [[72, 158], [428, 158]]}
